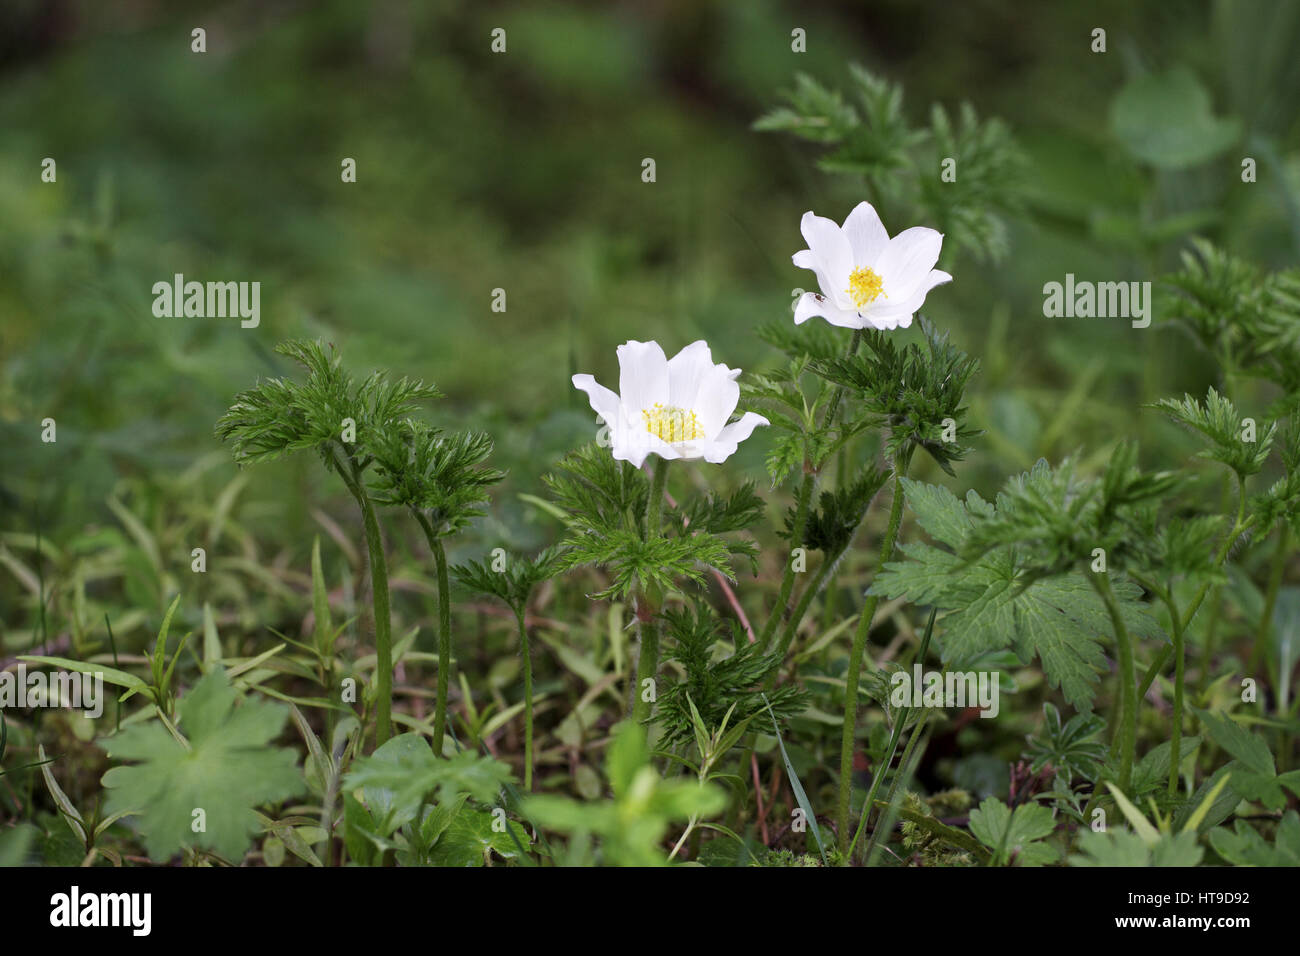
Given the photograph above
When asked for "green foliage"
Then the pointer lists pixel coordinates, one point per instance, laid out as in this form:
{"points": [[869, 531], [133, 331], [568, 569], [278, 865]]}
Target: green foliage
{"points": [[1165, 119], [1015, 837], [515, 583], [915, 394], [630, 826], [1244, 846], [1223, 428], [439, 475], [801, 439], [278, 416], [1071, 748], [597, 493], [224, 766], [404, 798], [717, 515], [1001, 598], [1056, 520], [1253, 771], [605, 503], [403, 772], [873, 137], [987, 162], [1120, 847], [831, 526], [1248, 319], [717, 686]]}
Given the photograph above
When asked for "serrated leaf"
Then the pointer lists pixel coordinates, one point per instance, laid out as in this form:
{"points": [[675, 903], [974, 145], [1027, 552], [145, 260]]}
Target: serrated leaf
{"points": [[228, 769]]}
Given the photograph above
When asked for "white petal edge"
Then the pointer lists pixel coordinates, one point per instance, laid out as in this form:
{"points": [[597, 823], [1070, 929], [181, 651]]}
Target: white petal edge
{"points": [[726, 442], [810, 304], [908, 260], [642, 375], [867, 235]]}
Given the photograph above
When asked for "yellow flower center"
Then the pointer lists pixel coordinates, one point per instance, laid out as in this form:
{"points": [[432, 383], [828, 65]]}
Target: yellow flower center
{"points": [[864, 287], [671, 423]]}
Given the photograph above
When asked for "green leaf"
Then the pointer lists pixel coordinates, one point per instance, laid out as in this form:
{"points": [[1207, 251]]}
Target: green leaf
{"points": [[1165, 119], [1243, 845], [472, 834], [1236, 740], [403, 773], [1014, 834], [228, 769]]}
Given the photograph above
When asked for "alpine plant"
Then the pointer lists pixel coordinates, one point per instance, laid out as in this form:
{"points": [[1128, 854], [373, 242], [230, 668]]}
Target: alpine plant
{"points": [[867, 280]]}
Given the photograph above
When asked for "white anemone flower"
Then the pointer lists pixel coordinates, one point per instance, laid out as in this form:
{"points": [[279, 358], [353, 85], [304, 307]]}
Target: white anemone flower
{"points": [[867, 279], [673, 408]]}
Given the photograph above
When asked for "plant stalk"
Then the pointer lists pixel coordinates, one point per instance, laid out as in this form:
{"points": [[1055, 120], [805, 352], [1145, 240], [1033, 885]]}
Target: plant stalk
{"points": [[528, 699], [383, 623], [883, 770], [444, 630], [647, 622], [1127, 699], [854, 673]]}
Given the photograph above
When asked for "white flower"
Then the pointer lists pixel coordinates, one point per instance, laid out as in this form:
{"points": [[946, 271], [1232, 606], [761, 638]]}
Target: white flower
{"points": [[674, 408], [867, 279]]}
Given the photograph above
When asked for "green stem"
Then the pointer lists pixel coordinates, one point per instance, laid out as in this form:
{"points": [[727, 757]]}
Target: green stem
{"points": [[1270, 597], [383, 624], [894, 737], [1127, 700], [803, 500], [801, 609], [1241, 527], [444, 647], [647, 623], [854, 673], [528, 699], [1180, 661], [782, 609], [444, 630], [884, 822]]}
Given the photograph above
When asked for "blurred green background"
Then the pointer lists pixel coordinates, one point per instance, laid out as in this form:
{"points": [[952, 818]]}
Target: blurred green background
{"points": [[522, 171]]}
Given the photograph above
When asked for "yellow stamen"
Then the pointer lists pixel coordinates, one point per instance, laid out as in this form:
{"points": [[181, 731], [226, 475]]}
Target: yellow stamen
{"points": [[671, 423], [864, 287]]}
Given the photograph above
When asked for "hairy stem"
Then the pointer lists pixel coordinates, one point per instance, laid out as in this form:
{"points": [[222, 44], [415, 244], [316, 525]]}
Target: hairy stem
{"points": [[528, 699], [782, 608], [803, 499], [647, 622], [801, 609], [1180, 661], [854, 673], [894, 737], [383, 624], [444, 646], [1127, 699], [444, 631], [1270, 597]]}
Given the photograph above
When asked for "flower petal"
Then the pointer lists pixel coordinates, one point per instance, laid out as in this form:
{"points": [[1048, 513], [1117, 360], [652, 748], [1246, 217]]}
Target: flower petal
{"points": [[908, 260], [811, 304], [866, 234], [717, 398], [634, 445], [642, 376], [687, 371], [891, 315], [729, 438], [603, 401], [831, 250]]}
